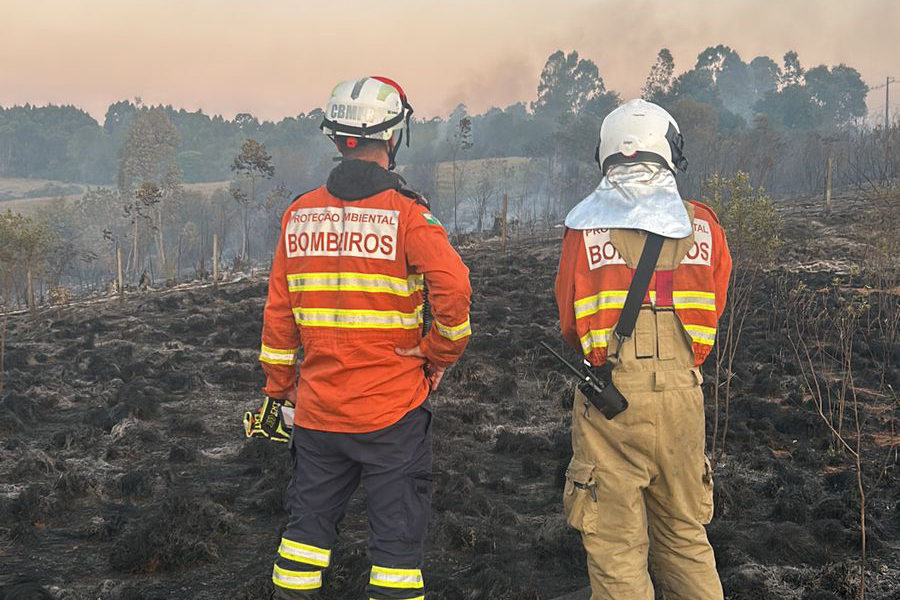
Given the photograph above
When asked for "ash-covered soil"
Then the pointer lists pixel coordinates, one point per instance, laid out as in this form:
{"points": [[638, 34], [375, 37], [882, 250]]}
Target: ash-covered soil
{"points": [[124, 473]]}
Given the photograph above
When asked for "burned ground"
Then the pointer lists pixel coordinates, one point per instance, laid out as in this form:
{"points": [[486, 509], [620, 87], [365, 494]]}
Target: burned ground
{"points": [[124, 473]]}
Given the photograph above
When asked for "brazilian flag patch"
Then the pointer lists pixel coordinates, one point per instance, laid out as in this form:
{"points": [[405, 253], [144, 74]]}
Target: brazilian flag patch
{"points": [[431, 219]]}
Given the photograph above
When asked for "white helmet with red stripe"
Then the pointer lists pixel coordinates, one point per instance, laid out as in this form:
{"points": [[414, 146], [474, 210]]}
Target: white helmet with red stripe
{"points": [[369, 107]]}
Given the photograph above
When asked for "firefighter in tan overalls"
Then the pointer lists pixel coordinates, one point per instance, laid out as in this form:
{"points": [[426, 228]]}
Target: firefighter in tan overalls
{"points": [[640, 484]]}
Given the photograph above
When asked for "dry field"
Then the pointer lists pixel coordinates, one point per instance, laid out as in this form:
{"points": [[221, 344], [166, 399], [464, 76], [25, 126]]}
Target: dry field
{"points": [[124, 474]]}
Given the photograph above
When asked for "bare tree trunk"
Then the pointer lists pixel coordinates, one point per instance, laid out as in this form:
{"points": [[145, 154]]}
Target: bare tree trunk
{"points": [[3, 349], [252, 203], [215, 260], [222, 237], [244, 242], [134, 242], [455, 198], [29, 289], [120, 277], [178, 259], [160, 242]]}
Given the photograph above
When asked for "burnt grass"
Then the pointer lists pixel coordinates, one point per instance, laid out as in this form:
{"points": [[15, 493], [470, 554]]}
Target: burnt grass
{"points": [[124, 473]]}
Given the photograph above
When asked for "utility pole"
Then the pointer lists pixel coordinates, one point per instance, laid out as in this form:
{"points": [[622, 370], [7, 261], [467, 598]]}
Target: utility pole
{"points": [[887, 104], [887, 117], [887, 99]]}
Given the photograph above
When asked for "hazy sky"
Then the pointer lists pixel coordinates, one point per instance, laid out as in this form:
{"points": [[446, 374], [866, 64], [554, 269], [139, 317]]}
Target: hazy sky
{"points": [[281, 57]]}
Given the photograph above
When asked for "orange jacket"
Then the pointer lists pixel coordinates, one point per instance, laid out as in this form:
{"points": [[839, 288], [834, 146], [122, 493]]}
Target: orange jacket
{"points": [[347, 285], [593, 282]]}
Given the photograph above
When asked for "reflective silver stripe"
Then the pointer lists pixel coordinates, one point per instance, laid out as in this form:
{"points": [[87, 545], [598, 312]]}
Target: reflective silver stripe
{"points": [[457, 332], [304, 553], [396, 578], [701, 334], [595, 338], [357, 319], [694, 300], [355, 282], [277, 356], [604, 300], [296, 580]]}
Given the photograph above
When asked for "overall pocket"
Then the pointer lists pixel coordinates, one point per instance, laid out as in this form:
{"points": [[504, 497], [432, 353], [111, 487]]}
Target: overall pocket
{"points": [[580, 495]]}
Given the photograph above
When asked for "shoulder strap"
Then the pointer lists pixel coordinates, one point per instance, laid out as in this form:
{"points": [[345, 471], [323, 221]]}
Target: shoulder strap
{"points": [[414, 196], [639, 284]]}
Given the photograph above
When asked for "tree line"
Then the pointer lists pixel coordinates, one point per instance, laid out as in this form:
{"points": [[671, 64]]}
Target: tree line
{"points": [[720, 94], [524, 165]]}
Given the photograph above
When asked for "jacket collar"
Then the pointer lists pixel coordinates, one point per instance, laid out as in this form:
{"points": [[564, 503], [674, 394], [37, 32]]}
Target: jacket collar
{"points": [[358, 179]]}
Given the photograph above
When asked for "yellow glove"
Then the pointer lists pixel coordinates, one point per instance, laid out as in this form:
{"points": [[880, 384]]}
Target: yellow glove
{"points": [[274, 420]]}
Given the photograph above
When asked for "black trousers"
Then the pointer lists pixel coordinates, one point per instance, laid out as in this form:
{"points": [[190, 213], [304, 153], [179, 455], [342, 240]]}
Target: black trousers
{"points": [[395, 467]]}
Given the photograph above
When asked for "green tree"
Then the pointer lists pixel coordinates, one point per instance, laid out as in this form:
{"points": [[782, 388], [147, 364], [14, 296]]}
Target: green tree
{"points": [[839, 92], [459, 141], [827, 97], [149, 180], [570, 85], [276, 203], [25, 250], [753, 228], [793, 73], [659, 81], [250, 166]]}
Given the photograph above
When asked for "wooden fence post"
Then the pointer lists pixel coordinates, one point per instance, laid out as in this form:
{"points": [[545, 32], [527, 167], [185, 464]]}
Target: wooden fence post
{"points": [[120, 275], [215, 260]]}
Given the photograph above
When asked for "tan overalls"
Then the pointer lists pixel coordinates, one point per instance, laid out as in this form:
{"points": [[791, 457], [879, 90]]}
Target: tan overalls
{"points": [[641, 484]]}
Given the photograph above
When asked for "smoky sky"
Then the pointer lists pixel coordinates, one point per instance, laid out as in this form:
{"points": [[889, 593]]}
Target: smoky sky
{"points": [[276, 58]]}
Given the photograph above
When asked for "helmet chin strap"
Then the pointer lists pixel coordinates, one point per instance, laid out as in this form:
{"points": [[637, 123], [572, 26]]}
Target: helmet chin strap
{"points": [[392, 152]]}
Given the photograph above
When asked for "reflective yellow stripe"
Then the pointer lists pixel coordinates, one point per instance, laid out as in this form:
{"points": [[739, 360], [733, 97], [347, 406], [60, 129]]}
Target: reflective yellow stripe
{"points": [[454, 333], [396, 578], [701, 334], [304, 553], [595, 338], [296, 580], [694, 300], [278, 356], [357, 319], [604, 300], [355, 282], [413, 598]]}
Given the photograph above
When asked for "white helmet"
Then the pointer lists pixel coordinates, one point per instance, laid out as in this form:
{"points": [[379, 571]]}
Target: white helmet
{"points": [[369, 107], [640, 131]]}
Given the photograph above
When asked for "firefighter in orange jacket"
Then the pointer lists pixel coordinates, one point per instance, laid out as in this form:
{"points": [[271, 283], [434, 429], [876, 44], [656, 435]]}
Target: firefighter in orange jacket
{"points": [[348, 286], [640, 483]]}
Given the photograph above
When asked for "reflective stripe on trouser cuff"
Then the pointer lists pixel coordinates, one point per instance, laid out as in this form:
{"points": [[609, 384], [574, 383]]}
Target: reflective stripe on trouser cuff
{"points": [[604, 300], [355, 282], [296, 580], [357, 319], [278, 356], [694, 300], [701, 335], [422, 597], [304, 553], [595, 338], [456, 332], [396, 578]]}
